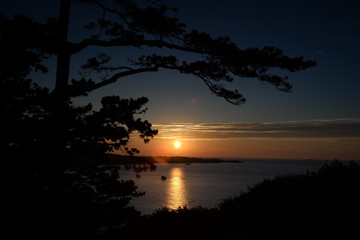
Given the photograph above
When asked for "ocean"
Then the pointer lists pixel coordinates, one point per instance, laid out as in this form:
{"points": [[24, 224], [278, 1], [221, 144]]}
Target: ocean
{"points": [[206, 184]]}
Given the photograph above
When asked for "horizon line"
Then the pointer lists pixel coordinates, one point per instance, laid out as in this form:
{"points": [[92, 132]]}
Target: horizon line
{"points": [[236, 158]]}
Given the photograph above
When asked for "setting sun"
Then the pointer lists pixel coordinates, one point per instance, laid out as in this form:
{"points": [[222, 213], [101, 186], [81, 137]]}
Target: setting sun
{"points": [[177, 144]]}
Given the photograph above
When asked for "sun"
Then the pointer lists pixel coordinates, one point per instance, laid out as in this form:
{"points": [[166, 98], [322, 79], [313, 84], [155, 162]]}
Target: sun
{"points": [[177, 144]]}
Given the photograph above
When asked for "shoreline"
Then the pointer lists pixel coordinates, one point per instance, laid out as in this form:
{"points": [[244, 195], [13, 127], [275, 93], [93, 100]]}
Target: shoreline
{"points": [[122, 159], [125, 159]]}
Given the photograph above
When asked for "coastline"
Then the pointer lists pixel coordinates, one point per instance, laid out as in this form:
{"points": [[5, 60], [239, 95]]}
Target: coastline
{"points": [[113, 159], [122, 159]]}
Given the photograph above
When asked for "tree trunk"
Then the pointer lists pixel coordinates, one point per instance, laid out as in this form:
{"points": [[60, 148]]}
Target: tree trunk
{"points": [[62, 78]]}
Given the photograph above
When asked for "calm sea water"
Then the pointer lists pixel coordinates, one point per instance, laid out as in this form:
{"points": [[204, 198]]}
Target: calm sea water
{"points": [[206, 184]]}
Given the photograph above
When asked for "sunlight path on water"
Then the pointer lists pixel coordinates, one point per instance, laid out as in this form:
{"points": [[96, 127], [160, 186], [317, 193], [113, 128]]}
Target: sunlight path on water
{"points": [[176, 190]]}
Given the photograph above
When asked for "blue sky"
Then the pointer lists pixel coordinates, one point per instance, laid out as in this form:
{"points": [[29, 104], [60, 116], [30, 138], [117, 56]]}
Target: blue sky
{"points": [[325, 31]]}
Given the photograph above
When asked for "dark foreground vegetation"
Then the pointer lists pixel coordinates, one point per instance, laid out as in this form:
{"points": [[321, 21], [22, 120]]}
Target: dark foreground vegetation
{"points": [[324, 203], [320, 204]]}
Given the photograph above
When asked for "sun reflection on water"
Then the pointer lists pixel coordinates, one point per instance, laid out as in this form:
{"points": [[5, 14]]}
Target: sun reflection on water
{"points": [[176, 190]]}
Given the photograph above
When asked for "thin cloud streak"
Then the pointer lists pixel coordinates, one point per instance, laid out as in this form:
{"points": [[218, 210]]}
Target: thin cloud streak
{"points": [[331, 129]]}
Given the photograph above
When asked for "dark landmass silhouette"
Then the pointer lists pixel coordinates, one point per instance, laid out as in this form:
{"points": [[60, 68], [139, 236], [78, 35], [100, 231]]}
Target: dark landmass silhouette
{"points": [[125, 159]]}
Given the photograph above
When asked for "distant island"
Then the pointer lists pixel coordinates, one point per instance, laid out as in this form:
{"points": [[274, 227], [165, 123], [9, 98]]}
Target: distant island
{"points": [[122, 159]]}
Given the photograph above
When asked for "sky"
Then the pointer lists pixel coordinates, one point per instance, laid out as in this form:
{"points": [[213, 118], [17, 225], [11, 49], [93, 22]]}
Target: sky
{"points": [[320, 119]]}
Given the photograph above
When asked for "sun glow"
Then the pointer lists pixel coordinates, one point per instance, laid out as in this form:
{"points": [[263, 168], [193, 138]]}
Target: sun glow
{"points": [[177, 144]]}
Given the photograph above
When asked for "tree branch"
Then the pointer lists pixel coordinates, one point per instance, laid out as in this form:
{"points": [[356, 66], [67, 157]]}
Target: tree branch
{"points": [[77, 47], [116, 76]]}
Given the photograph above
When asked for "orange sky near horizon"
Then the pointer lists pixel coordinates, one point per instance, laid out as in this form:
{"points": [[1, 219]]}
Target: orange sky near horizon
{"points": [[320, 139]]}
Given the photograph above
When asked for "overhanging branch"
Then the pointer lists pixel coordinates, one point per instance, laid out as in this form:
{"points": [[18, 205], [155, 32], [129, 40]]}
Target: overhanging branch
{"points": [[116, 76], [77, 47]]}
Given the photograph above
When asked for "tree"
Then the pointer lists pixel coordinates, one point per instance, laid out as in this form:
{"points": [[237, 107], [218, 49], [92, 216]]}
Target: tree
{"points": [[141, 24], [27, 129], [127, 23]]}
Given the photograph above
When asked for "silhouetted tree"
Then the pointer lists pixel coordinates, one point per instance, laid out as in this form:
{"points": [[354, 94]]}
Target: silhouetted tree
{"points": [[91, 198], [123, 23], [128, 23]]}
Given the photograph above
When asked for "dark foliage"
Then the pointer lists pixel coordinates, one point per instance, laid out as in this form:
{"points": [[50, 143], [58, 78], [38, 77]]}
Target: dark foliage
{"points": [[95, 201], [148, 24], [27, 112], [324, 203], [25, 43], [40, 125]]}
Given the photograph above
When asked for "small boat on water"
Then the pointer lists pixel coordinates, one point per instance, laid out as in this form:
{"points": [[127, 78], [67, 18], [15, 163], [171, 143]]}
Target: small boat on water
{"points": [[163, 178]]}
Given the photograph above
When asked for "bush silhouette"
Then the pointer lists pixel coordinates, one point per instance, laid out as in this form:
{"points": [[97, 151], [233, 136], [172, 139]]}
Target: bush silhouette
{"points": [[322, 203]]}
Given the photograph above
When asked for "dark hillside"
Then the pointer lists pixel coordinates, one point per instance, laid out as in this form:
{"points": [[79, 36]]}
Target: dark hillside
{"points": [[323, 203]]}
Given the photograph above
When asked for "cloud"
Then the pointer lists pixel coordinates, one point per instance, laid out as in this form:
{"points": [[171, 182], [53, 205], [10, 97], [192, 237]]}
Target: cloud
{"points": [[340, 129]]}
